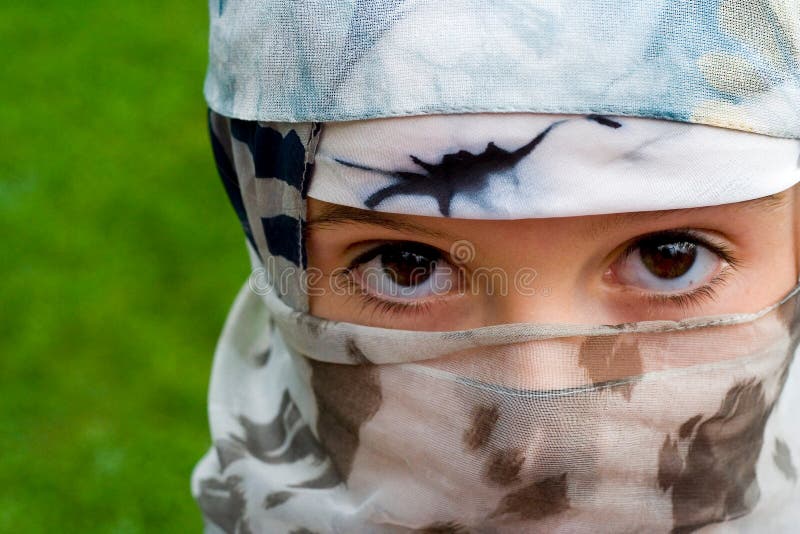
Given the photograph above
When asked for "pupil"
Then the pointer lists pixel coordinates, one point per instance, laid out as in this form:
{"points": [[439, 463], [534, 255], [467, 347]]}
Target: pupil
{"points": [[668, 260], [407, 268]]}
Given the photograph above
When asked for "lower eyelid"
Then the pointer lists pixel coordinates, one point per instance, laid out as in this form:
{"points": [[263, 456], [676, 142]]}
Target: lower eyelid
{"points": [[394, 309], [694, 298]]}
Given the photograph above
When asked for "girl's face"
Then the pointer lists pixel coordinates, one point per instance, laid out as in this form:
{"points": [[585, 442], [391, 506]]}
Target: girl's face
{"points": [[436, 273]]}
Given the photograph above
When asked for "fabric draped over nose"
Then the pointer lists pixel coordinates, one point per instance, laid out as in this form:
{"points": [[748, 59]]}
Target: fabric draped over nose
{"points": [[653, 426]]}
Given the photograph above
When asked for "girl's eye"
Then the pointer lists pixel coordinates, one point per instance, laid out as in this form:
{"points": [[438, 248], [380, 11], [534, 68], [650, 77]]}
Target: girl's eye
{"points": [[669, 262], [404, 271]]}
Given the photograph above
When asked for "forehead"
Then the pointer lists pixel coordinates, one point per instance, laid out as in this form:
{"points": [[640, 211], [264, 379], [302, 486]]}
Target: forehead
{"points": [[530, 165]]}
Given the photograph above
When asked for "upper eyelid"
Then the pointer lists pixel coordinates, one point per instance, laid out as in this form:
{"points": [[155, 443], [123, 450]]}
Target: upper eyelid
{"points": [[464, 271], [720, 249], [434, 242], [376, 250], [686, 234]]}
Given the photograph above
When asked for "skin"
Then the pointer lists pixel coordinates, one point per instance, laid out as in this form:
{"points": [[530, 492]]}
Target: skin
{"points": [[582, 275]]}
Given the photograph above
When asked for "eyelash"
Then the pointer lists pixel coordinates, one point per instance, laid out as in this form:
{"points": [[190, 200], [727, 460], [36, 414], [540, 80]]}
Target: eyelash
{"points": [[702, 294], [379, 305], [683, 301], [390, 307]]}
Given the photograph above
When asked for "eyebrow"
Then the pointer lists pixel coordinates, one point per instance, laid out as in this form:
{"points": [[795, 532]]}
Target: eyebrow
{"points": [[763, 204], [336, 214]]}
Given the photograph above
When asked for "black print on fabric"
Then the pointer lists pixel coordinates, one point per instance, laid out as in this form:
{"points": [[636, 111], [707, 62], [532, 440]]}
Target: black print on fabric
{"points": [[261, 359], [223, 503], [228, 452], [458, 172], [783, 460], [605, 121], [328, 479], [282, 234], [276, 499], [274, 156], [230, 181], [285, 439]]}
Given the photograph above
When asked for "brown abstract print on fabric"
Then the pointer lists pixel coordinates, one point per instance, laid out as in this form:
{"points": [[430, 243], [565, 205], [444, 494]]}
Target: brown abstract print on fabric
{"points": [[716, 480], [611, 358], [483, 420], [541, 499], [347, 396]]}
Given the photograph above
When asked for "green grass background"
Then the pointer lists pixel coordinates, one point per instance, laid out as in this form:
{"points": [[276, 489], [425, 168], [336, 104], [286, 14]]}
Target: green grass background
{"points": [[120, 257]]}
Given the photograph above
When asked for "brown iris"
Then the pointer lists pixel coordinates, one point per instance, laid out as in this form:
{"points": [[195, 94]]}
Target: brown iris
{"points": [[668, 259], [406, 263]]}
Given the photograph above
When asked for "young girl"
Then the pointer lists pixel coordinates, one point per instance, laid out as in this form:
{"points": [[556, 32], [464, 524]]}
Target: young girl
{"points": [[522, 268]]}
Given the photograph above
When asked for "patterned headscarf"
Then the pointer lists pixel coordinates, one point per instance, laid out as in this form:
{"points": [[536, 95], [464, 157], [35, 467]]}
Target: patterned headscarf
{"points": [[731, 63], [527, 109]]}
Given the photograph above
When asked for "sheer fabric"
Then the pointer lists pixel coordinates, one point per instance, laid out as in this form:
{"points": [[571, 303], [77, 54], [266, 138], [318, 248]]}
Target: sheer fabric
{"points": [[643, 427]]}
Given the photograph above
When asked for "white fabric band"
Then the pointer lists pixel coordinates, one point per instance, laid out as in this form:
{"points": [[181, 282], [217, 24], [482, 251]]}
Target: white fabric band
{"points": [[527, 165]]}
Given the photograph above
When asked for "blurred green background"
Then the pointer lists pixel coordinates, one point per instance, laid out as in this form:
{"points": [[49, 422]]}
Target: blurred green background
{"points": [[120, 256]]}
